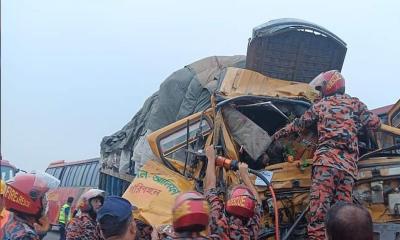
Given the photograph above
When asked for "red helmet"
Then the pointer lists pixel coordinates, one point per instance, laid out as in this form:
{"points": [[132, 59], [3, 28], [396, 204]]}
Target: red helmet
{"points": [[329, 83], [190, 212], [84, 201], [26, 193], [241, 202]]}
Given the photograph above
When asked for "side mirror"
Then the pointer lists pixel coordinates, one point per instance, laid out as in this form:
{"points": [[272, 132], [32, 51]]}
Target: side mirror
{"points": [[20, 170]]}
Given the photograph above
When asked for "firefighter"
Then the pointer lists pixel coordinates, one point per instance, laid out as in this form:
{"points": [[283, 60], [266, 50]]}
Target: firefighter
{"points": [[239, 217], [84, 225], [338, 119], [4, 214], [65, 216], [26, 198], [190, 217], [116, 220]]}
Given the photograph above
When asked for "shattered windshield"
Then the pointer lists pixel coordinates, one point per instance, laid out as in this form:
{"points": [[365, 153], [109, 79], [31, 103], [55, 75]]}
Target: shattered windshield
{"points": [[177, 140]]}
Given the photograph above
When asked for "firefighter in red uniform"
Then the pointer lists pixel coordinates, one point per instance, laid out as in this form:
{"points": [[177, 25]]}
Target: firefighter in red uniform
{"points": [[4, 214], [26, 198], [84, 225], [338, 118], [190, 217], [239, 217]]}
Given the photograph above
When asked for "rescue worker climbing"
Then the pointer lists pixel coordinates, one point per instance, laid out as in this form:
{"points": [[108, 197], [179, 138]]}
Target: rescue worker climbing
{"points": [[338, 118], [26, 198], [190, 216], [239, 217], [64, 216], [84, 225]]}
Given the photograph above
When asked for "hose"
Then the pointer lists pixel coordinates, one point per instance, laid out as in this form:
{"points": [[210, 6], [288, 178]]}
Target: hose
{"points": [[296, 223], [276, 215]]}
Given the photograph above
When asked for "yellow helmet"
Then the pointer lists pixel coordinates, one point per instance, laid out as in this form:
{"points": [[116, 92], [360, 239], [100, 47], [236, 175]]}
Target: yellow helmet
{"points": [[2, 186]]}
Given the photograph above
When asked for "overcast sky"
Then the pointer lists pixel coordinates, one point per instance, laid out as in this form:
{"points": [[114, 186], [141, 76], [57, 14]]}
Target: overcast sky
{"points": [[77, 70]]}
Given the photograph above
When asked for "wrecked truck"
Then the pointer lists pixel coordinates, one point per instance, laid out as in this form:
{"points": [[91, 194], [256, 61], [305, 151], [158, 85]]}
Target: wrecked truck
{"points": [[287, 49], [240, 105]]}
